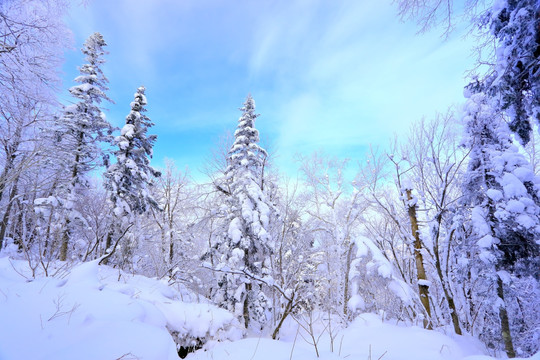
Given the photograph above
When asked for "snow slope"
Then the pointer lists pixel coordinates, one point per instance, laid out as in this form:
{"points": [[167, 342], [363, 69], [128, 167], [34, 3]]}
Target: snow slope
{"points": [[366, 338], [95, 312]]}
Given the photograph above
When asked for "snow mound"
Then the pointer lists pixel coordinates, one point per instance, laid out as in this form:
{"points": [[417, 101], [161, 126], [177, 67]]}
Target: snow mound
{"points": [[367, 337], [96, 312]]}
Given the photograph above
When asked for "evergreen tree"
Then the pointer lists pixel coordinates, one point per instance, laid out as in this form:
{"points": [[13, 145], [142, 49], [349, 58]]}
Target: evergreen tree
{"points": [[245, 247], [515, 77], [129, 178], [79, 133], [503, 195]]}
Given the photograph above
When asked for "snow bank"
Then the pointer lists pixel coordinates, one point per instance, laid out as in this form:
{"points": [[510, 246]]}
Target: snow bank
{"points": [[95, 312], [368, 337]]}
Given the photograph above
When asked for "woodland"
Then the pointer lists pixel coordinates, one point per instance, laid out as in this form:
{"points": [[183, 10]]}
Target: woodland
{"points": [[440, 231]]}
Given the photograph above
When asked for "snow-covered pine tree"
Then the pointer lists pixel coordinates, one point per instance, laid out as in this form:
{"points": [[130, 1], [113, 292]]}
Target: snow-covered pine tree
{"points": [[503, 196], [79, 133], [129, 178], [515, 76], [243, 251]]}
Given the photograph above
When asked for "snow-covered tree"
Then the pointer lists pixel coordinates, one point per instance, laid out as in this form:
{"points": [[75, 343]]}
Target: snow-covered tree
{"points": [[243, 252], [334, 205], [175, 196], [515, 77], [32, 39], [295, 259], [401, 233], [129, 178], [80, 132], [511, 28], [437, 162], [503, 195]]}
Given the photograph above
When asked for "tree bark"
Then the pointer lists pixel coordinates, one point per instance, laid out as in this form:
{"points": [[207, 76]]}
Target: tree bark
{"points": [[444, 284], [5, 219], [423, 288], [346, 285], [286, 312], [505, 323], [246, 305], [75, 173], [65, 241], [108, 244]]}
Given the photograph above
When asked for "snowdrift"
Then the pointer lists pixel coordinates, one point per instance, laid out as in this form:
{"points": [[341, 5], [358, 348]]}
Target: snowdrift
{"points": [[96, 312]]}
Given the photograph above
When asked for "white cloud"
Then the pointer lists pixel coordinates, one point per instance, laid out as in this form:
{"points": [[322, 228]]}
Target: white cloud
{"points": [[352, 74]]}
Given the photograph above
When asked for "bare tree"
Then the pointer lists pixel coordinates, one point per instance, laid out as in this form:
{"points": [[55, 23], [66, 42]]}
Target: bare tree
{"points": [[334, 207], [433, 13], [438, 164], [32, 39]]}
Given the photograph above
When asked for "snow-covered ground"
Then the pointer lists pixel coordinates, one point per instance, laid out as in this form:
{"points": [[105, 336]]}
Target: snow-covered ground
{"points": [[96, 312]]}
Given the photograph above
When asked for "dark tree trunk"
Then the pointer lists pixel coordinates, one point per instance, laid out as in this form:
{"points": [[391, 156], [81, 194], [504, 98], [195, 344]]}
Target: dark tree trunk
{"points": [[246, 305], [505, 323]]}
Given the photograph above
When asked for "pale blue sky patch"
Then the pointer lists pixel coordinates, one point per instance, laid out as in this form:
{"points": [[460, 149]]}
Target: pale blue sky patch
{"points": [[330, 75]]}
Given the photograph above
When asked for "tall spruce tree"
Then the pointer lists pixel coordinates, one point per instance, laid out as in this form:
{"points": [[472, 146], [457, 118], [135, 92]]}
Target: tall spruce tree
{"points": [[129, 178], [503, 195], [515, 77], [80, 132], [244, 249]]}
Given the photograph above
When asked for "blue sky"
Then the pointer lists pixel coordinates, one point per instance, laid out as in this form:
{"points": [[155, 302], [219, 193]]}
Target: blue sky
{"points": [[326, 75]]}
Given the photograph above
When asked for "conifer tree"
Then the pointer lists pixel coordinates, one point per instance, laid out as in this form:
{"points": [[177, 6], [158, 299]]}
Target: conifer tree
{"points": [[130, 177], [515, 77], [80, 131], [503, 195], [245, 247]]}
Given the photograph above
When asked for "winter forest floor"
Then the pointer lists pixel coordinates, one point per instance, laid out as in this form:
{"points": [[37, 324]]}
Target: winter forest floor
{"points": [[96, 312]]}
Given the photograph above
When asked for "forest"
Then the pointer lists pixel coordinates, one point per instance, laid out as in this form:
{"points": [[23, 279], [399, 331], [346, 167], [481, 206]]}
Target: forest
{"points": [[439, 233]]}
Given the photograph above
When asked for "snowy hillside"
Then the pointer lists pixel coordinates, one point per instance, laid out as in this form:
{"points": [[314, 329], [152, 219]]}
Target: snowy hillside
{"points": [[99, 313], [96, 312]]}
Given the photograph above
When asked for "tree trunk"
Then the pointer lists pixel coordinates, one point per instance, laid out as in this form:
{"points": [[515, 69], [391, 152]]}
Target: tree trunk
{"points": [[423, 288], [65, 241], [286, 312], [11, 155], [453, 311], [444, 284], [108, 244], [505, 323], [75, 173], [346, 285], [171, 247], [246, 305], [5, 218]]}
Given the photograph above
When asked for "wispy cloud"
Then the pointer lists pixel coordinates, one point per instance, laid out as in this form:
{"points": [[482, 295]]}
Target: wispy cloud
{"points": [[336, 75], [350, 73]]}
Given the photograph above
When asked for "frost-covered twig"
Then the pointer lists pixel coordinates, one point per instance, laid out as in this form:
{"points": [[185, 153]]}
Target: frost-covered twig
{"points": [[252, 277]]}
